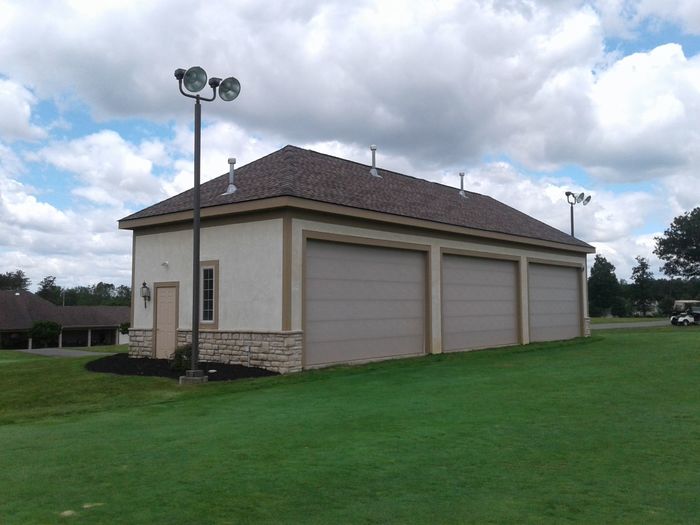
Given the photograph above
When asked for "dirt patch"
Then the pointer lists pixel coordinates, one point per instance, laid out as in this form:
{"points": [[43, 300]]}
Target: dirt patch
{"points": [[122, 364]]}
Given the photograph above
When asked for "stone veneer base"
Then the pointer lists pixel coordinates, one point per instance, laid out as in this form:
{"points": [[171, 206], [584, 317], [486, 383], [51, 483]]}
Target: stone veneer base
{"points": [[275, 351]]}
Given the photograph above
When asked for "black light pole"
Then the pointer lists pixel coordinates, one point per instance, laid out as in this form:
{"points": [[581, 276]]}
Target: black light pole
{"points": [[573, 199], [194, 79]]}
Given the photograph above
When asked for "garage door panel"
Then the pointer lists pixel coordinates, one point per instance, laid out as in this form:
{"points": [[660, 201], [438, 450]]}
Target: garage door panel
{"points": [[366, 329], [554, 308], [557, 333], [362, 302], [353, 267], [485, 278], [332, 309], [476, 309], [479, 293], [485, 338], [555, 302], [481, 323], [554, 295], [363, 349], [479, 302], [481, 271], [359, 290]]}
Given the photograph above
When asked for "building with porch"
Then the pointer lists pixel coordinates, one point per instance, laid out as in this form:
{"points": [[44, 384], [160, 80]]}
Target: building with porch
{"points": [[81, 325]]}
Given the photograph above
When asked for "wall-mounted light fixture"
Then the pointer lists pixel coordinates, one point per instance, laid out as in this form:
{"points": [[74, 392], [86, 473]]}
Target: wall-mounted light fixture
{"points": [[145, 293]]}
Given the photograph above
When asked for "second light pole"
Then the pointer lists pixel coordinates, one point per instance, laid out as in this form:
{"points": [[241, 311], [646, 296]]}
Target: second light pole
{"points": [[194, 80], [572, 198]]}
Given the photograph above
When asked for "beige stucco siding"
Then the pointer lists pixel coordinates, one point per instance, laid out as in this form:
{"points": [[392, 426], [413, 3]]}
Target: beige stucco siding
{"points": [[250, 272], [437, 246]]}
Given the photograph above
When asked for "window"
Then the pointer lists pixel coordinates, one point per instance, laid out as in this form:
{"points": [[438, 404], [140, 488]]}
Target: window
{"points": [[209, 290], [207, 294]]}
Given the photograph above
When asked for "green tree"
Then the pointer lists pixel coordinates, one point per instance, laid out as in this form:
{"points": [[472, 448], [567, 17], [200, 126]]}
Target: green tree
{"points": [[16, 281], [49, 290], [679, 246], [603, 286], [123, 296], [45, 333], [643, 280], [621, 307]]}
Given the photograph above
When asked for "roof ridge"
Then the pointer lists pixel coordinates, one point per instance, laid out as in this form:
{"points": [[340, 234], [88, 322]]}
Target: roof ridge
{"points": [[385, 170]]}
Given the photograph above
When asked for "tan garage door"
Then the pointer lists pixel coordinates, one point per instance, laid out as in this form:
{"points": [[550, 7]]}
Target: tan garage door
{"points": [[362, 302], [479, 303], [555, 302]]}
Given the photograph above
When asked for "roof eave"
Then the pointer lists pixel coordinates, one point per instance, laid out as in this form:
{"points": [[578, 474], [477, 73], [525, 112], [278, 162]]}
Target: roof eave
{"points": [[336, 209]]}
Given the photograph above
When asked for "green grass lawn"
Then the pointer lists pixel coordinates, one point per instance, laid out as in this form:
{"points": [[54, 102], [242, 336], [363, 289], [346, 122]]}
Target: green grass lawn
{"points": [[612, 320], [603, 430]]}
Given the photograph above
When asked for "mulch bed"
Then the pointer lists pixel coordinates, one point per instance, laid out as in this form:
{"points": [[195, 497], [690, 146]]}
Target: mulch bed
{"points": [[122, 364]]}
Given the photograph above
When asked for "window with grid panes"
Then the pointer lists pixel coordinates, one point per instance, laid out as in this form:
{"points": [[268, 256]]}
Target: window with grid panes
{"points": [[207, 294]]}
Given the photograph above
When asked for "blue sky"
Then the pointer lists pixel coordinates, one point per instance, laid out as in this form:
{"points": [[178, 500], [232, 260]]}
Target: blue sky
{"points": [[530, 98]]}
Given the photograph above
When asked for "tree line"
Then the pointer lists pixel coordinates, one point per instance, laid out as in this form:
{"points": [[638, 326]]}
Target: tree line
{"points": [[91, 295], [678, 247]]}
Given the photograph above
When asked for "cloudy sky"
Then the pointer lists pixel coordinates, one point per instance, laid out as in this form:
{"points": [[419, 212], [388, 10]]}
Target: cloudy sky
{"points": [[529, 97]]}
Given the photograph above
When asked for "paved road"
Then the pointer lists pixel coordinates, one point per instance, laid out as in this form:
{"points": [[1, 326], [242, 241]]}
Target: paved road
{"points": [[641, 324], [63, 352]]}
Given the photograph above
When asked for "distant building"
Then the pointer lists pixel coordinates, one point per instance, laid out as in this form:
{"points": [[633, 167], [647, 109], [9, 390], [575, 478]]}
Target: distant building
{"points": [[82, 325]]}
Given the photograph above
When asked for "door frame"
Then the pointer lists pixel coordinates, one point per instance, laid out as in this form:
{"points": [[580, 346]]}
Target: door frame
{"points": [[156, 286]]}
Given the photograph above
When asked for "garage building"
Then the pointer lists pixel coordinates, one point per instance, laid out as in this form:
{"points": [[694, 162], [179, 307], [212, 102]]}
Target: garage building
{"points": [[315, 261]]}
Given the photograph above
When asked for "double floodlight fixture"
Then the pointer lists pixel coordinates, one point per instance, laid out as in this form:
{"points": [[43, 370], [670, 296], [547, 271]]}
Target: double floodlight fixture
{"points": [[195, 78], [576, 198], [573, 198]]}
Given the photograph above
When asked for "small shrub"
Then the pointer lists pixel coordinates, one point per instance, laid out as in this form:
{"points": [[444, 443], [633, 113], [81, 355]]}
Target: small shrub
{"points": [[124, 328], [181, 358], [45, 333]]}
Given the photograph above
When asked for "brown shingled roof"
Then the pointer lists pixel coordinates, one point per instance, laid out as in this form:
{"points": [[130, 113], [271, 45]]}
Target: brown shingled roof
{"points": [[306, 174], [19, 310]]}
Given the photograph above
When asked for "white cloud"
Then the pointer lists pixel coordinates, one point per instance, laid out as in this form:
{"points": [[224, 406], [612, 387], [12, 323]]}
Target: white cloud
{"points": [[685, 13], [78, 246], [16, 103], [110, 170]]}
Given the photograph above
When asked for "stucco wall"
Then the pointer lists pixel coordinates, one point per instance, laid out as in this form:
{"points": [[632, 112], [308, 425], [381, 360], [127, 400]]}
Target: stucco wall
{"points": [[250, 272]]}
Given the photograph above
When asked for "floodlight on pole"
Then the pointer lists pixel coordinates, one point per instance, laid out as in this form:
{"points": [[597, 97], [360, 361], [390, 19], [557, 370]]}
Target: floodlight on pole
{"points": [[573, 198], [194, 79], [229, 89]]}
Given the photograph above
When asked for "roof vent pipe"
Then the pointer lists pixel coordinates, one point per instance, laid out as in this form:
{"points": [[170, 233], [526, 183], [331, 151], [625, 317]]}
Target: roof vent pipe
{"points": [[373, 171], [461, 185], [231, 186]]}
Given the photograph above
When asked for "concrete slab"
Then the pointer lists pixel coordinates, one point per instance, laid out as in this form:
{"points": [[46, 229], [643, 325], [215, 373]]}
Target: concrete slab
{"points": [[64, 352], [641, 324]]}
